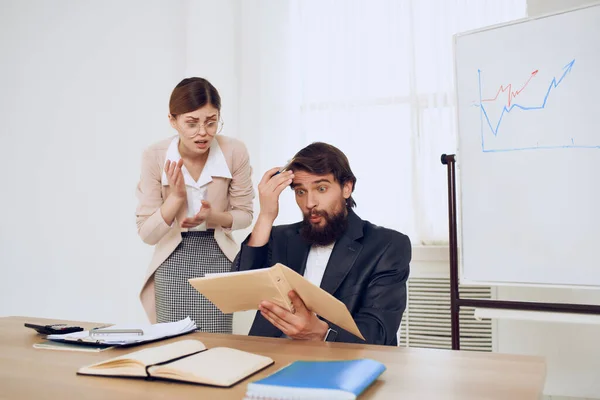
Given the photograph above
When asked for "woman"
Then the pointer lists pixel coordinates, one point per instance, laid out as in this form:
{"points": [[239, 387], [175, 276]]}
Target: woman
{"points": [[195, 188]]}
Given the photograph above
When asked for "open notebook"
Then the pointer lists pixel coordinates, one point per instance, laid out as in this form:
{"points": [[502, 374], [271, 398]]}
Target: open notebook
{"points": [[185, 360]]}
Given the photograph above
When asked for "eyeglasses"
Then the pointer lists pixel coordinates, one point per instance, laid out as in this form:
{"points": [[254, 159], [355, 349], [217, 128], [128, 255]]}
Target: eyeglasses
{"points": [[192, 129]]}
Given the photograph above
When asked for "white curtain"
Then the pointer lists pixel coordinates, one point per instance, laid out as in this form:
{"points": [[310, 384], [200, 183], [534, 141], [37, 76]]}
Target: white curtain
{"points": [[374, 78]]}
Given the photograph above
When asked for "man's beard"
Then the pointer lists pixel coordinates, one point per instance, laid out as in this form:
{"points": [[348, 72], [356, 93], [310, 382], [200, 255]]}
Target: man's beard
{"points": [[334, 228]]}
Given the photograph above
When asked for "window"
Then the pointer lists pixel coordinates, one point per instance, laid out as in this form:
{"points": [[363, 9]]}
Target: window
{"points": [[375, 78]]}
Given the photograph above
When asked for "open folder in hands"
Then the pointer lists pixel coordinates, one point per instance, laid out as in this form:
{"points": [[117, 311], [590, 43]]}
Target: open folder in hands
{"points": [[241, 291]]}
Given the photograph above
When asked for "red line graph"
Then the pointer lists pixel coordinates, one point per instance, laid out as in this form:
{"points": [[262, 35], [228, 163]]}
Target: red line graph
{"points": [[511, 94]]}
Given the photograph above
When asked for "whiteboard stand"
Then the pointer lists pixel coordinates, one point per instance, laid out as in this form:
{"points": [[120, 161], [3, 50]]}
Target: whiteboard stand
{"points": [[456, 302]]}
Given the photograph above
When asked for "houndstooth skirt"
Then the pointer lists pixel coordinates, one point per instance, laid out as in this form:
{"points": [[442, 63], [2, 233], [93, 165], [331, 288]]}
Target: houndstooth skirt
{"points": [[197, 254]]}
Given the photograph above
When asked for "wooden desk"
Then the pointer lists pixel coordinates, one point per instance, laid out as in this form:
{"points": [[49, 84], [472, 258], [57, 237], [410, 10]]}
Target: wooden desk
{"points": [[27, 373]]}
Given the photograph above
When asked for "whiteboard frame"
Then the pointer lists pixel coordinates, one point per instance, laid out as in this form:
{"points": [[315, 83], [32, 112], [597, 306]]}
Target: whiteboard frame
{"points": [[458, 183]]}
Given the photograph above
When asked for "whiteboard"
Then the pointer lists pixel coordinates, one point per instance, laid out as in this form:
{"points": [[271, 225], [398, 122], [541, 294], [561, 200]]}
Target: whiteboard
{"points": [[528, 158]]}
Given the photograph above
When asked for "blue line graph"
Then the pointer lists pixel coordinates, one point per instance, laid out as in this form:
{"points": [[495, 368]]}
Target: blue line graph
{"points": [[495, 128]]}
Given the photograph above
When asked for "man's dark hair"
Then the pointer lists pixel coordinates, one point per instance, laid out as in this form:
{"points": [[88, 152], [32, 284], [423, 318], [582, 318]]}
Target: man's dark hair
{"points": [[321, 159]]}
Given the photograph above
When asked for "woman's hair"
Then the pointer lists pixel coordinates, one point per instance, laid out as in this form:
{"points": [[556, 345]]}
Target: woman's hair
{"points": [[191, 94], [321, 159]]}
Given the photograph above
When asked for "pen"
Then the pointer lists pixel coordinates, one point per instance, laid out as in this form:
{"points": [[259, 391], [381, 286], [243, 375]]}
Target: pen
{"points": [[285, 168], [108, 331], [102, 327]]}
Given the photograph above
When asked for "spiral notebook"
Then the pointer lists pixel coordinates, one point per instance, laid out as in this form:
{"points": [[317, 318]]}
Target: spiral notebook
{"points": [[335, 380]]}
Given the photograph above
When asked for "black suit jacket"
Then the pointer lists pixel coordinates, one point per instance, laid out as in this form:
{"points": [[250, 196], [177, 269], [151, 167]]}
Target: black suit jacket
{"points": [[367, 271]]}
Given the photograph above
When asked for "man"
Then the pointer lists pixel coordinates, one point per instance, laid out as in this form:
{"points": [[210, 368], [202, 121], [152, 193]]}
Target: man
{"points": [[362, 265]]}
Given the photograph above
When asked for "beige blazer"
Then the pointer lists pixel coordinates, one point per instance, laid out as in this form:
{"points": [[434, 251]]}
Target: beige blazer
{"points": [[235, 195]]}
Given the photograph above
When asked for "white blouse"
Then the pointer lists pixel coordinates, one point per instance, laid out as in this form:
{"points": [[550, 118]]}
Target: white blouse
{"points": [[196, 190]]}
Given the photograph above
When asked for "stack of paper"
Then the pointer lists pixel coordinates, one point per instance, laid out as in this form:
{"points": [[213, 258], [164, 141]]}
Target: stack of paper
{"points": [[150, 332]]}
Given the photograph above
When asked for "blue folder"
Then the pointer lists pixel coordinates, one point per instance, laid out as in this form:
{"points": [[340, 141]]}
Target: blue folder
{"points": [[318, 380]]}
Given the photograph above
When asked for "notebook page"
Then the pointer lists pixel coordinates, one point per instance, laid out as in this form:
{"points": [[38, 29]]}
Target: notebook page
{"points": [[220, 366], [154, 355]]}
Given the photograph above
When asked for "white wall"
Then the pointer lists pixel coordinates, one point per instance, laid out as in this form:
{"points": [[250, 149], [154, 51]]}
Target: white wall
{"points": [[212, 52], [571, 350], [85, 88], [540, 7]]}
